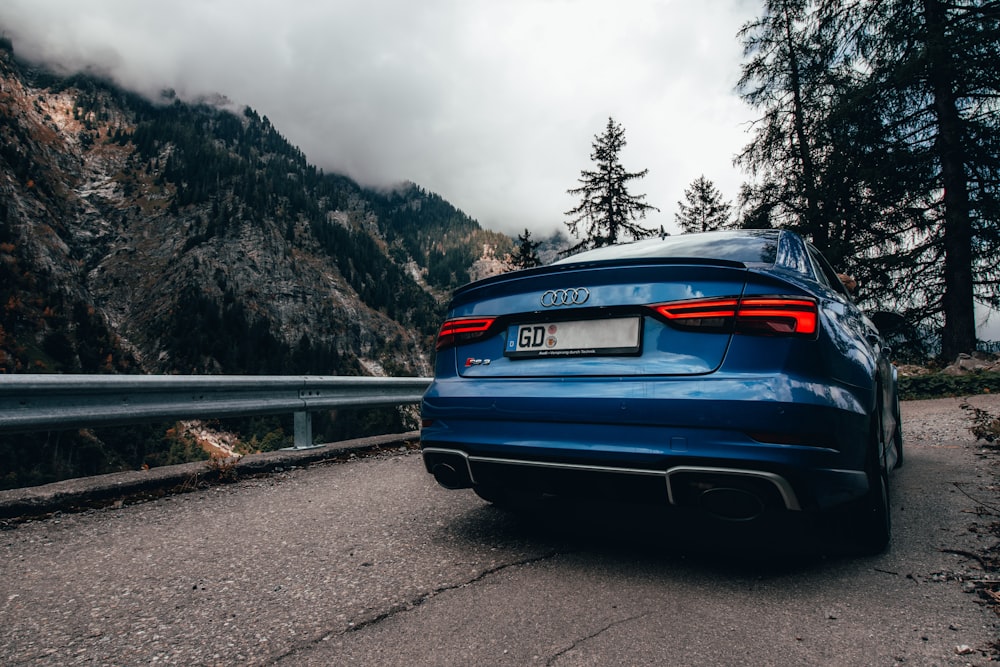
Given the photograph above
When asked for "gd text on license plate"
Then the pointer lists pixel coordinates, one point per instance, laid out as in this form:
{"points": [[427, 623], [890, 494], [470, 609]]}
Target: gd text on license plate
{"points": [[574, 338]]}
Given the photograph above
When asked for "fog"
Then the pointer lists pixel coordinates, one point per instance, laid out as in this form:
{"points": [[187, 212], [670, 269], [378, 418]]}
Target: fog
{"points": [[492, 105]]}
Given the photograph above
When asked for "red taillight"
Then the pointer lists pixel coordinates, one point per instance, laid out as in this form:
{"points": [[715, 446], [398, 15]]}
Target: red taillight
{"points": [[767, 316], [777, 316], [715, 314], [463, 329]]}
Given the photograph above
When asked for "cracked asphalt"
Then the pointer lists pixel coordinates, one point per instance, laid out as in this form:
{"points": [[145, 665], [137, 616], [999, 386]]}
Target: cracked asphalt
{"points": [[368, 562]]}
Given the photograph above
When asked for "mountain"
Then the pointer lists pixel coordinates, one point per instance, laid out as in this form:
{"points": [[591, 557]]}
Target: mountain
{"points": [[167, 237], [141, 236]]}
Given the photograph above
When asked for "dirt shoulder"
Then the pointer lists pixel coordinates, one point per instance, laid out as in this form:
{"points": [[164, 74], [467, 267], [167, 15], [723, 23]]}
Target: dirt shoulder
{"points": [[943, 419], [946, 423]]}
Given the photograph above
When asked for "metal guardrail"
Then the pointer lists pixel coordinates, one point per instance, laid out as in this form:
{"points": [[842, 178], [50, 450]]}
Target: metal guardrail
{"points": [[44, 402]]}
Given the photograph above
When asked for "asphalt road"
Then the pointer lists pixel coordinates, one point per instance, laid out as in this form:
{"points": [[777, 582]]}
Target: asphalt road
{"points": [[368, 562]]}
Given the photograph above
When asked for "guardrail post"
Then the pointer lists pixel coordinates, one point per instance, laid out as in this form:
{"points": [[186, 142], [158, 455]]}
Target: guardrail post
{"points": [[303, 431]]}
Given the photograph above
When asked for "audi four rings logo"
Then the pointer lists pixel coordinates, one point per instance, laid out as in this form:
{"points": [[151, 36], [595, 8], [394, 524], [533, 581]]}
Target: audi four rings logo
{"points": [[565, 297]]}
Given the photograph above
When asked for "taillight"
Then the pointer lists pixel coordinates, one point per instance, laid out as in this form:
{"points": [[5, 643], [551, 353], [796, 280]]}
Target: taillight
{"points": [[462, 330], [709, 314], [777, 316], [758, 315]]}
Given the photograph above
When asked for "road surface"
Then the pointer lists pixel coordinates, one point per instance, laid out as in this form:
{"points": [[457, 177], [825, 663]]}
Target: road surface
{"points": [[368, 562]]}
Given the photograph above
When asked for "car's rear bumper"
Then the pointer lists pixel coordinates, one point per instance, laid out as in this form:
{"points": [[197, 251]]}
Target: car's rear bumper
{"points": [[796, 446], [684, 483], [732, 493]]}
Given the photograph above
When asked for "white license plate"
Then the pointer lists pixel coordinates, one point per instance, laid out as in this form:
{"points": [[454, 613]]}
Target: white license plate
{"points": [[574, 338]]}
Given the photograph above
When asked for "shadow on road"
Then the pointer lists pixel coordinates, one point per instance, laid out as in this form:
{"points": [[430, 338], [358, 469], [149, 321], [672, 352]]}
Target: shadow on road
{"points": [[769, 545]]}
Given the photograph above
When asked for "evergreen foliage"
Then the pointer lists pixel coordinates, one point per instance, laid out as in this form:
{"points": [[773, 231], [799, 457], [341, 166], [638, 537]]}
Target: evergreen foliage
{"points": [[247, 170], [879, 141], [526, 255], [607, 211], [705, 210], [216, 177], [935, 83], [422, 227], [75, 338]]}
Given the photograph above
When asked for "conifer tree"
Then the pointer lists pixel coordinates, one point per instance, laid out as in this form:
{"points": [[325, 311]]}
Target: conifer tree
{"points": [[934, 82], [607, 210], [786, 75], [705, 210], [526, 255], [879, 140]]}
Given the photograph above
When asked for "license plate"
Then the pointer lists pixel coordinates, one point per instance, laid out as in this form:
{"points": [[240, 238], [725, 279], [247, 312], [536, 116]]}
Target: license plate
{"points": [[574, 338]]}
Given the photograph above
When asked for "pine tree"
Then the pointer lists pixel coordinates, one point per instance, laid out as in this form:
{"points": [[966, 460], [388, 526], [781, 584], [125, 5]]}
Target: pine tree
{"points": [[786, 75], [526, 255], [934, 81], [705, 210], [607, 209], [879, 140]]}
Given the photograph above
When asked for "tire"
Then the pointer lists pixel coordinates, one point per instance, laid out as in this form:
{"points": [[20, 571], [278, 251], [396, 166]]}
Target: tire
{"points": [[897, 436], [873, 517]]}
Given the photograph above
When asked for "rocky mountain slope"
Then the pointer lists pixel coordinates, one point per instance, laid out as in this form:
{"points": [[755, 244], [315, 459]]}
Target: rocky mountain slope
{"points": [[141, 236]]}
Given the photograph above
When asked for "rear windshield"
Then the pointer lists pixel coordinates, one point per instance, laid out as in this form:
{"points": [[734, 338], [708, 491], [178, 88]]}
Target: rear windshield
{"points": [[746, 246]]}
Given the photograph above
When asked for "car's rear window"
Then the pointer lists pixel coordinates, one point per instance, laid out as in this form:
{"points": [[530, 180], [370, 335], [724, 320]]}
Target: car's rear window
{"points": [[746, 246]]}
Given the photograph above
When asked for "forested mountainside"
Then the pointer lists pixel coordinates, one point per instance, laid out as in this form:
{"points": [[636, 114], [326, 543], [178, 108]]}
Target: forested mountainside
{"points": [[167, 237], [142, 237]]}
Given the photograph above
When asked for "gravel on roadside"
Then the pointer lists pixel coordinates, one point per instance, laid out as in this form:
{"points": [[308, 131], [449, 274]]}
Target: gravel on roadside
{"points": [[942, 420], [945, 422]]}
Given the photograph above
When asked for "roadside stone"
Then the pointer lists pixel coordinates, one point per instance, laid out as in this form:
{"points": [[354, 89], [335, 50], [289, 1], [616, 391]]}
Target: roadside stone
{"points": [[977, 363]]}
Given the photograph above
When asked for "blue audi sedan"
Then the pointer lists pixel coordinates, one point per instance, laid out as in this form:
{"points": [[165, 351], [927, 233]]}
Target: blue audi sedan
{"points": [[727, 372]]}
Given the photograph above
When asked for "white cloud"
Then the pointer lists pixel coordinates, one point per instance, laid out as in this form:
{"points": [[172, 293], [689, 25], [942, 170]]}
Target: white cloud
{"points": [[492, 105]]}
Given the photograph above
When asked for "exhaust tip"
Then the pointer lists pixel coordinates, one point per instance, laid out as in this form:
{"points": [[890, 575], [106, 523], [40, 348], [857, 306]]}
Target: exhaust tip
{"points": [[446, 475], [450, 467], [731, 504]]}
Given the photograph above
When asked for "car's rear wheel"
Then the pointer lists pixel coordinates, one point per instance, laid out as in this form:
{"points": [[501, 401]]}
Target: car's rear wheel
{"points": [[897, 436], [874, 520]]}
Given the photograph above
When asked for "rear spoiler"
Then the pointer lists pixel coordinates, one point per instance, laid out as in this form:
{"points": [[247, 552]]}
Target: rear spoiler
{"points": [[576, 266]]}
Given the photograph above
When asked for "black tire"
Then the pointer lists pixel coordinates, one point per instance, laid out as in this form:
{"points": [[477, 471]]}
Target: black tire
{"points": [[873, 517], [897, 436]]}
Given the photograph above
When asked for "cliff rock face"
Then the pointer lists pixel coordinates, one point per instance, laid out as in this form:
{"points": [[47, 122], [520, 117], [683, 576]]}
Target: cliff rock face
{"points": [[168, 237]]}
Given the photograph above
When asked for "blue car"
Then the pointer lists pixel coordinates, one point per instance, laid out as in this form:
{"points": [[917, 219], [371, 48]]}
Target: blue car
{"points": [[727, 371]]}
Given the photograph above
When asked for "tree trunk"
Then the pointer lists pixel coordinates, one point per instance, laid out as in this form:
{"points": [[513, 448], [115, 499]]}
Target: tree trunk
{"points": [[959, 334], [814, 225]]}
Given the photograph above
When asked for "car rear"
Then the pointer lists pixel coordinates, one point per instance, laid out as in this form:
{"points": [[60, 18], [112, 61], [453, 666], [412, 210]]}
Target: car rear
{"points": [[684, 380]]}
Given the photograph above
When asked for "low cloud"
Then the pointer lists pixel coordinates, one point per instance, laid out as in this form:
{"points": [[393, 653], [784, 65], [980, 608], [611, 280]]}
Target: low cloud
{"points": [[492, 105]]}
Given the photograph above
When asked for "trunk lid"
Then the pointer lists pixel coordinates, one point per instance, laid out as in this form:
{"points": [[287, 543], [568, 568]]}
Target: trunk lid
{"points": [[594, 320]]}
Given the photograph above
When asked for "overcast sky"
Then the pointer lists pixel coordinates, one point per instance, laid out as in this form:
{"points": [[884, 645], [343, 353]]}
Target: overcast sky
{"points": [[492, 104]]}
